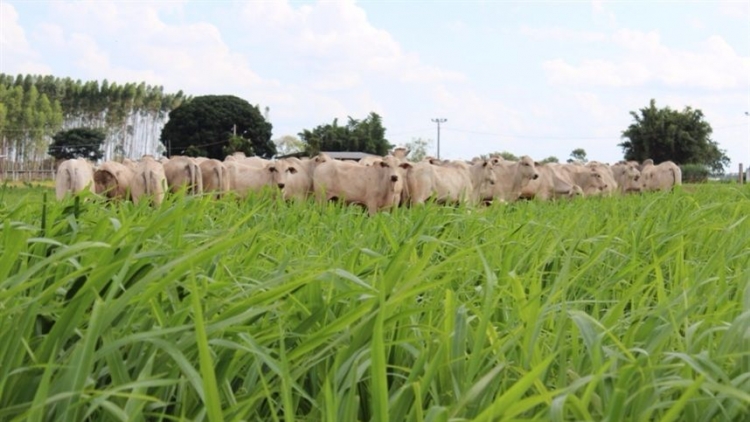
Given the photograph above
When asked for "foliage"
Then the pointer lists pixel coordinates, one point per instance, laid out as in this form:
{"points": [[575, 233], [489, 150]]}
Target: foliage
{"points": [[550, 159], [694, 173], [37, 106], [288, 144], [367, 135], [418, 148], [578, 154], [508, 156], [624, 308], [683, 137], [77, 143], [27, 119], [238, 144], [207, 123]]}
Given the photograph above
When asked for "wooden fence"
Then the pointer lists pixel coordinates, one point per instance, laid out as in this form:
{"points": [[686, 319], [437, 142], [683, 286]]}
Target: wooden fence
{"points": [[26, 172]]}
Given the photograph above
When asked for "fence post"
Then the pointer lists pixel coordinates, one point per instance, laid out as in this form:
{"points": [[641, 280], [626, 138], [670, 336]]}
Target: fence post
{"points": [[740, 176]]}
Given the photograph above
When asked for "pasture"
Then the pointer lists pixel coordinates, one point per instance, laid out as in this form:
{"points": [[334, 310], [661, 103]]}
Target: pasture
{"points": [[625, 308]]}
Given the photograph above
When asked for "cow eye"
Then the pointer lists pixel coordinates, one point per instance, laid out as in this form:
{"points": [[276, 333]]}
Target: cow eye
{"points": [[272, 169], [292, 170]]}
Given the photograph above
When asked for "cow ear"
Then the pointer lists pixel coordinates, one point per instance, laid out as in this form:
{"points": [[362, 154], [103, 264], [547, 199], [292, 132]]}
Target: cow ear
{"points": [[405, 165]]}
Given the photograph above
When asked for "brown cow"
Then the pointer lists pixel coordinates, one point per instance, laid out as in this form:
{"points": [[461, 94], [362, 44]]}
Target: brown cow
{"points": [[113, 179]]}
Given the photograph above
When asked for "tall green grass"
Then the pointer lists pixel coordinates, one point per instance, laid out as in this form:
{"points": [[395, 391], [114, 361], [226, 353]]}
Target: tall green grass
{"points": [[634, 308]]}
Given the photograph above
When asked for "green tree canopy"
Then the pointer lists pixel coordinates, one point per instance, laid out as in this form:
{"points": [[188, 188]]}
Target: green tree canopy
{"points": [[206, 126], [80, 142], [366, 135], [505, 155], [578, 154], [550, 159], [663, 134]]}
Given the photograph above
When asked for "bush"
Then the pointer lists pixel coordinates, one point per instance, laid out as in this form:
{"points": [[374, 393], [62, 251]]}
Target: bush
{"points": [[694, 173]]}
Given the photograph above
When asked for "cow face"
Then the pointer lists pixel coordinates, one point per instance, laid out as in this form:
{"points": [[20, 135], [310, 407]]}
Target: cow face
{"points": [[527, 168], [596, 181], [488, 174], [282, 171], [394, 174]]}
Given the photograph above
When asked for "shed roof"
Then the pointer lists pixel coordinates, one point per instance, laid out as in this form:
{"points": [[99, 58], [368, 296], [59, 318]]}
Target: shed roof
{"points": [[337, 155]]}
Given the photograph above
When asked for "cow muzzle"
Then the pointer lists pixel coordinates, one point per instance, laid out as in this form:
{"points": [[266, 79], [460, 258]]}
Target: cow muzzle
{"points": [[280, 185], [394, 178]]}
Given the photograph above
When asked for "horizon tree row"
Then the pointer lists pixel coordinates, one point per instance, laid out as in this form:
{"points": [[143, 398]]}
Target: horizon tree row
{"points": [[139, 119]]}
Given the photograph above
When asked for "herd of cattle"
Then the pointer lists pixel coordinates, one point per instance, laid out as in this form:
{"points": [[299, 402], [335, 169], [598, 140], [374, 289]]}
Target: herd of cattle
{"points": [[375, 182]]}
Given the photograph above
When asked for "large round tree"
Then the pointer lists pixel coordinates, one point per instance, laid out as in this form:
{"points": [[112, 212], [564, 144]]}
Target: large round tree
{"points": [[215, 126], [82, 142], [665, 134]]}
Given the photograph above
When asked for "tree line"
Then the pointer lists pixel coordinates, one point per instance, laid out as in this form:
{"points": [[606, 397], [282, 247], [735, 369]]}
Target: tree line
{"points": [[33, 108], [133, 119]]}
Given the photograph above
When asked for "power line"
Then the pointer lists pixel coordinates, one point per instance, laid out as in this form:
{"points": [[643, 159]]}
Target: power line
{"points": [[527, 137], [407, 131]]}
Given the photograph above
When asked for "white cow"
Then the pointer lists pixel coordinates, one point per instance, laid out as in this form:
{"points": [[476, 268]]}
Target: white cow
{"points": [[376, 187], [552, 183], [628, 176], [215, 177], [663, 176], [245, 178], [451, 182], [149, 181], [589, 179], [74, 176], [294, 177], [510, 178]]}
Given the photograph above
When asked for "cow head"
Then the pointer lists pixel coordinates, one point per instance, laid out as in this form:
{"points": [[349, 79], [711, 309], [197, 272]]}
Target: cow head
{"points": [[282, 171], [488, 175], [527, 168]]}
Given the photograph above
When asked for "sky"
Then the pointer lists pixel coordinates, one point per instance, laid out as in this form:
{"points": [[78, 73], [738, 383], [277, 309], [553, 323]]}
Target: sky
{"points": [[537, 78]]}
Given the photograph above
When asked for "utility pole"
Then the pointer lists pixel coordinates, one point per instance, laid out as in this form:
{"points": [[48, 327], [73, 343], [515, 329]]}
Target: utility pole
{"points": [[438, 121]]}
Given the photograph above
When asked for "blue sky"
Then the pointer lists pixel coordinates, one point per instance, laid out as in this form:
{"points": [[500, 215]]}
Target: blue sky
{"points": [[535, 78]]}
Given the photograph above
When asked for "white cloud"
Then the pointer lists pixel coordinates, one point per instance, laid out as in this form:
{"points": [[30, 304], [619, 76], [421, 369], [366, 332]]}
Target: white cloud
{"points": [[562, 34], [596, 72], [735, 8], [601, 15], [338, 36], [713, 64], [14, 46], [12, 36], [696, 23]]}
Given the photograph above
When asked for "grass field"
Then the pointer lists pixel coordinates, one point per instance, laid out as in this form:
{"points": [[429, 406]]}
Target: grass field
{"points": [[633, 308]]}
